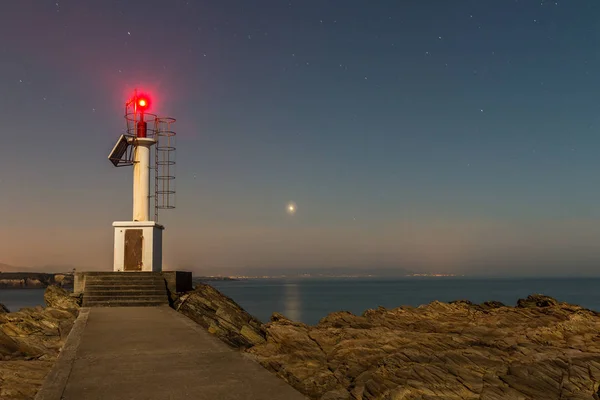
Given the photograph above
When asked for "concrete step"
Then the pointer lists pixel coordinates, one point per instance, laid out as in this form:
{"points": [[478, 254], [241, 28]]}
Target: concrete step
{"points": [[125, 292], [150, 297], [123, 303], [121, 274], [124, 289], [140, 297], [132, 278], [126, 285], [138, 273]]}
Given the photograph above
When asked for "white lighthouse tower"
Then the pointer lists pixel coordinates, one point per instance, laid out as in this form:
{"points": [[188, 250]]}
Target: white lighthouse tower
{"points": [[138, 243]]}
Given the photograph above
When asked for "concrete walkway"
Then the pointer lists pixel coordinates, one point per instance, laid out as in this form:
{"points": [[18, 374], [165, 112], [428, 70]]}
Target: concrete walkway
{"points": [[154, 353]]}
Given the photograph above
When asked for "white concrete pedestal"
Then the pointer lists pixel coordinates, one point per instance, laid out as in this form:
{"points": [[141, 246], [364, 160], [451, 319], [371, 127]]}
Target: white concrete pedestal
{"points": [[138, 246]]}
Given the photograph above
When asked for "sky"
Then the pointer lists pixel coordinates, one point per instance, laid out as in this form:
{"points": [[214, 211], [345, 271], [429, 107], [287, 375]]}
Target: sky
{"points": [[430, 135]]}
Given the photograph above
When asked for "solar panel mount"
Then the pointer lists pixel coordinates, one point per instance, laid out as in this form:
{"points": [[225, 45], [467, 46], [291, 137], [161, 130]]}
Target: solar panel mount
{"points": [[122, 153]]}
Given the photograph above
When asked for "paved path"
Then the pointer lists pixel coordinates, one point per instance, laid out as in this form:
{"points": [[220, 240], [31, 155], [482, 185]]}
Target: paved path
{"points": [[154, 353]]}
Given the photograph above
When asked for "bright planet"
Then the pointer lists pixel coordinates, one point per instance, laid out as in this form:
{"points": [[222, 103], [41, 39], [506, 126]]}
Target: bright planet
{"points": [[291, 208]]}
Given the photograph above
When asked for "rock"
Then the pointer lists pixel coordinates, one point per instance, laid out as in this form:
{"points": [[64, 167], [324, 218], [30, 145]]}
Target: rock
{"points": [[3, 309], [339, 394], [295, 356], [541, 349], [492, 304], [221, 316], [278, 317], [59, 279], [30, 341], [8, 345], [537, 300], [21, 380], [30, 283], [35, 332], [57, 297]]}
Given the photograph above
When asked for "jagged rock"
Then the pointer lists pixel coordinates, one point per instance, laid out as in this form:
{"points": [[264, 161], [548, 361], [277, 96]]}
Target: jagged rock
{"points": [[537, 300], [221, 316], [30, 341], [467, 302], [8, 346], [340, 394], [3, 309], [57, 297], [20, 380], [541, 349], [492, 304], [59, 278], [36, 331]]}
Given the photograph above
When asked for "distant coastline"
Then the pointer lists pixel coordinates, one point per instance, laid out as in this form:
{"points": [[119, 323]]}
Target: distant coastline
{"points": [[40, 280], [34, 280], [200, 279], [327, 276]]}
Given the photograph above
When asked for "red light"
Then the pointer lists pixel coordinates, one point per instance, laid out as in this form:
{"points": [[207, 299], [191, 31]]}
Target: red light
{"points": [[142, 102]]}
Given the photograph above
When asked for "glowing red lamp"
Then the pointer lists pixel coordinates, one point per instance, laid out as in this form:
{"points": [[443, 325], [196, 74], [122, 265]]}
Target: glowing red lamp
{"points": [[143, 103]]}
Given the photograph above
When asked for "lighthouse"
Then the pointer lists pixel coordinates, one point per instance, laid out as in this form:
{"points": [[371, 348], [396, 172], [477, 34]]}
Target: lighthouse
{"points": [[138, 242]]}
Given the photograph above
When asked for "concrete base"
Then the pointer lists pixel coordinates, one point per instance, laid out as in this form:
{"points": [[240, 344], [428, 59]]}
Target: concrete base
{"points": [[177, 281], [138, 246]]}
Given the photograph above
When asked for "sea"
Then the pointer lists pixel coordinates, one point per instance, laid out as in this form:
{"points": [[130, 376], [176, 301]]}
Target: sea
{"points": [[310, 299], [15, 299]]}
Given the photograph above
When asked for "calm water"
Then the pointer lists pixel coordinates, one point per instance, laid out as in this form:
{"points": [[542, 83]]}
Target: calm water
{"points": [[16, 299], [308, 300]]}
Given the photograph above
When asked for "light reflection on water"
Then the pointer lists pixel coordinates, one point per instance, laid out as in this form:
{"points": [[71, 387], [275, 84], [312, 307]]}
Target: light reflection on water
{"points": [[292, 301], [309, 300]]}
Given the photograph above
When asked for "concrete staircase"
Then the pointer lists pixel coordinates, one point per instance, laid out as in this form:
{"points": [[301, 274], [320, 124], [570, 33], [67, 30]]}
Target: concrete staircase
{"points": [[124, 289]]}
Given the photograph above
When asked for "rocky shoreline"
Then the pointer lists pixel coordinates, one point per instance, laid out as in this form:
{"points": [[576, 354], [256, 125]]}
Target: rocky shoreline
{"points": [[30, 341], [539, 349]]}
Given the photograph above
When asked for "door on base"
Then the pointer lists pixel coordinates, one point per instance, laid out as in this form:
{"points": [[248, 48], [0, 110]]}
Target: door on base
{"points": [[134, 245]]}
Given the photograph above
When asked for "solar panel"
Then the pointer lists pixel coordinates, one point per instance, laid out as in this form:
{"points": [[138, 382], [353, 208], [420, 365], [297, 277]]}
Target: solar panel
{"points": [[117, 153]]}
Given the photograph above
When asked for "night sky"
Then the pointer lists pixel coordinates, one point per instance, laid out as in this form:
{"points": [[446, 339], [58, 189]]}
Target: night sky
{"points": [[440, 136]]}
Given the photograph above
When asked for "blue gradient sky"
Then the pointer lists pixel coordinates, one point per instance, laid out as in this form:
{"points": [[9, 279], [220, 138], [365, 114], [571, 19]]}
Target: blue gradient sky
{"points": [[443, 136]]}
